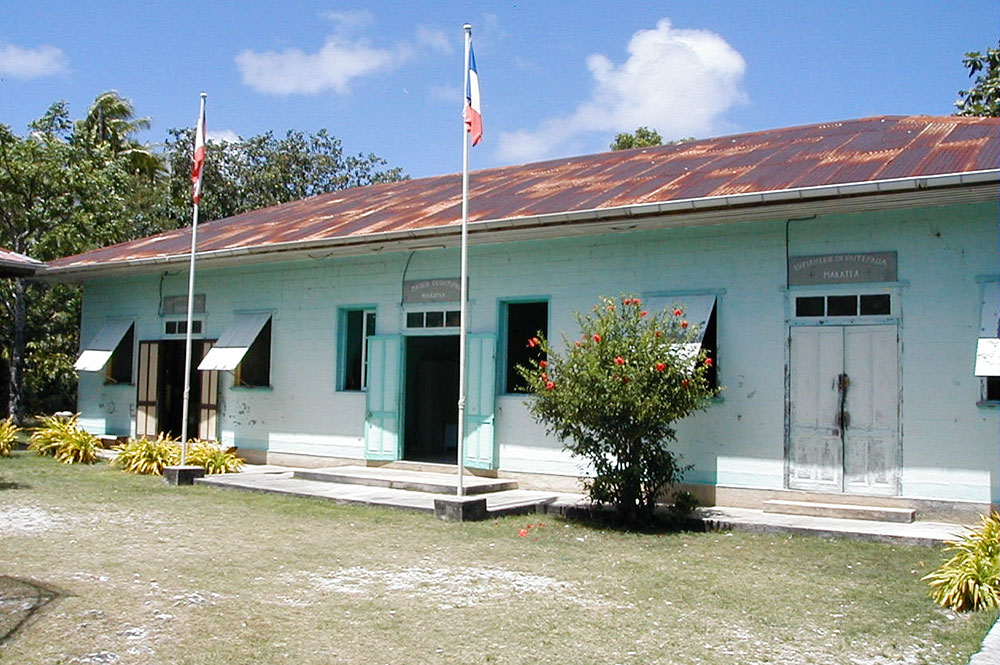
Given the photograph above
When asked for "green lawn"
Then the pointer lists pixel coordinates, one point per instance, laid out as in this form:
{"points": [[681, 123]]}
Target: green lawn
{"points": [[139, 572]]}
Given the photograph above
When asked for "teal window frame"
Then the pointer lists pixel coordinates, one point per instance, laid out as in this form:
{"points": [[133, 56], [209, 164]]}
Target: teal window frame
{"points": [[504, 342], [345, 382]]}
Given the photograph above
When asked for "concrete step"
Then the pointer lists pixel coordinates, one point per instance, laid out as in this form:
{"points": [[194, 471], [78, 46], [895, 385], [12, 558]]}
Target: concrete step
{"points": [[840, 510], [414, 481]]}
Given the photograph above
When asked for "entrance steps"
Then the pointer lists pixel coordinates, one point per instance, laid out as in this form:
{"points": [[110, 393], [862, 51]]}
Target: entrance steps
{"points": [[840, 510], [404, 479]]}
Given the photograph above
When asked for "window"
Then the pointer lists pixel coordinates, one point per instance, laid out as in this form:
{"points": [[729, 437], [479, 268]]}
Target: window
{"points": [[255, 369], [356, 327], [876, 304], [119, 367], [180, 327], [991, 389], [178, 304], [451, 318], [524, 321], [701, 310]]}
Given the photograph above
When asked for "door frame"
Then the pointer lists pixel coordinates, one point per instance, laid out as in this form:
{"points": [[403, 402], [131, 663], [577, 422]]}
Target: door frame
{"points": [[893, 318]]}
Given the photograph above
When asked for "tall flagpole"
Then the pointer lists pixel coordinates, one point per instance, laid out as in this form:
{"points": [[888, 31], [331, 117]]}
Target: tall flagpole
{"points": [[196, 197], [464, 287]]}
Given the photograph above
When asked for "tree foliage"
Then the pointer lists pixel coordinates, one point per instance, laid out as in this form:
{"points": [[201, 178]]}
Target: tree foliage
{"points": [[614, 395], [983, 98], [640, 138], [263, 171]]}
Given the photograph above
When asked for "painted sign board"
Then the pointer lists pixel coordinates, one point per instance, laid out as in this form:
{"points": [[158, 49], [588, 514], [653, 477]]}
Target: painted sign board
{"points": [[842, 268], [432, 290]]}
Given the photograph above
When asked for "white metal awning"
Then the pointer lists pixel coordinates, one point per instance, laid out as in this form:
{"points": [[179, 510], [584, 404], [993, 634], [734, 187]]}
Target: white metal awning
{"points": [[234, 342], [988, 345], [97, 353]]}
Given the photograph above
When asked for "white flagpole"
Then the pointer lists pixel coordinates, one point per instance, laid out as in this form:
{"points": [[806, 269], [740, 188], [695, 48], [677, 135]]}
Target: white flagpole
{"points": [[190, 307], [464, 287]]}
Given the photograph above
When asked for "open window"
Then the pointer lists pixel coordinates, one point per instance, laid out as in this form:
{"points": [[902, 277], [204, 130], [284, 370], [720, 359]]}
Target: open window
{"points": [[356, 326], [700, 311], [243, 348], [524, 320], [988, 344], [110, 351]]}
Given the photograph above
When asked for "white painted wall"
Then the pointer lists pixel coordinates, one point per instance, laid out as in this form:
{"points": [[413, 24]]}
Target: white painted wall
{"points": [[950, 448]]}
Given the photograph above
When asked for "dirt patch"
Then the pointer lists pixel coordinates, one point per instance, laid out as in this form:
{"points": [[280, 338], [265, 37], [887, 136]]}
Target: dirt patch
{"points": [[18, 520]]}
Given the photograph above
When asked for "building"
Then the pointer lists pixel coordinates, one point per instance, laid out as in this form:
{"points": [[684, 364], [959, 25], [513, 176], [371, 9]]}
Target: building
{"points": [[13, 264], [841, 272]]}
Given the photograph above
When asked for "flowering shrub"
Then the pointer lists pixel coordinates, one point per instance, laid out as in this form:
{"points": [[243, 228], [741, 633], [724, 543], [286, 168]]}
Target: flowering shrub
{"points": [[614, 395]]}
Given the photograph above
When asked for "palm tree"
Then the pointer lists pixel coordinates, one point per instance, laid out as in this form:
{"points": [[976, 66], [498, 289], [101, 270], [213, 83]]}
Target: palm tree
{"points": [[111, 122]]}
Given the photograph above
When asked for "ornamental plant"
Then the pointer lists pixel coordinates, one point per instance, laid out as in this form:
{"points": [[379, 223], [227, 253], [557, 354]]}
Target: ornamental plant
{"points": [[970, 580], [148, 456], [8, 436], [614, 395], [64, 439], [213, 457]]}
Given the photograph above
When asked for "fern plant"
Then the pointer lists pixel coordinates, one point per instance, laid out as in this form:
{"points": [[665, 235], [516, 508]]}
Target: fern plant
{"points": [[211, 456], [970, 580], [8, 436], [64, 439], [148, 456]]}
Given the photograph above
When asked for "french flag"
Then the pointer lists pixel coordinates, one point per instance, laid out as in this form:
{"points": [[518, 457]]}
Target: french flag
{"points": [[199, 155], [473, 110]]}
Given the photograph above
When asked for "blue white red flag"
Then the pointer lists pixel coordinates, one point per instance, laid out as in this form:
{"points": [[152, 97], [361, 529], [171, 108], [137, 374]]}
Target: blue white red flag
{"points": [[199, 156], [473, 110]]}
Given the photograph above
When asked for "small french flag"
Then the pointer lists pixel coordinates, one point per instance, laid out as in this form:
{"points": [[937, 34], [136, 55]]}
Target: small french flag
{"points": [[199, 154], [473, 110]]}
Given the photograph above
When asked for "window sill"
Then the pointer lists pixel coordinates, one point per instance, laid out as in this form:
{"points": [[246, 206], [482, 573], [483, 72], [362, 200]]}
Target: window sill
{"points": [[252, 388], [988, 404], [119, 383]]}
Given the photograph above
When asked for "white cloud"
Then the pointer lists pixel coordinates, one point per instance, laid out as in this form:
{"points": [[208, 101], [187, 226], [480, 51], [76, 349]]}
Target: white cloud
{"points": [[678, 82], [29, 63], [223, 135], [434, 38], [333, 67], [351, 19]]}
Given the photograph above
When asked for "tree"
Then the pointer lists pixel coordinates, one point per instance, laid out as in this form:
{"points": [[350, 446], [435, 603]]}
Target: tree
{"points": [[983, 98], [263, 171], [58, 196], [614, 395], [641, 138], [111, 122]]}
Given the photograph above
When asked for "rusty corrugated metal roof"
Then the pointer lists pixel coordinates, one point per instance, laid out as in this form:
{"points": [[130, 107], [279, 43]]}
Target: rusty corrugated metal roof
{"points": [[865, 150], [13, 264]]}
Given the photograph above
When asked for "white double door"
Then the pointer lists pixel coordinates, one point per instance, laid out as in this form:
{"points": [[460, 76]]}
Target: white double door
{"points": [[844, 409]]}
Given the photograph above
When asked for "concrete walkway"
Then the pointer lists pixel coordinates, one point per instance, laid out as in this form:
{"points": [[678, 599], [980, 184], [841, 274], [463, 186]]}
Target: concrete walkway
{"points": [[282, 480]]}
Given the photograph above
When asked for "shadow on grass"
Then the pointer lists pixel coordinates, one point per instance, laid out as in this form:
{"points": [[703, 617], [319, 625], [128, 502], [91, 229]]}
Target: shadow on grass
{"points": [[20, 600], [604, 518]]}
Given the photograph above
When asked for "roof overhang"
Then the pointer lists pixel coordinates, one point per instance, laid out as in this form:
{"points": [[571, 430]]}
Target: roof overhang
{"points": [[869, 196]]}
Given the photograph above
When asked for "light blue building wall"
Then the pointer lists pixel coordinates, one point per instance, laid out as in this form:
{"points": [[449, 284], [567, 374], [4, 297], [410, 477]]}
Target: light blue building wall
{"points": [[950, 441]]}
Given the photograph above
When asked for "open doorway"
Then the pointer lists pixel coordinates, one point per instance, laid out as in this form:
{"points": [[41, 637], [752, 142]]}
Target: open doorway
{"points": [[170, 388], [431, 394]]}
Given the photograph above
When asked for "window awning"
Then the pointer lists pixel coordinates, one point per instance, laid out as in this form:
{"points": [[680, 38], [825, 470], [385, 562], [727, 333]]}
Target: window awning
{"points": [[988, 345], [97, 353], [234, 342]]}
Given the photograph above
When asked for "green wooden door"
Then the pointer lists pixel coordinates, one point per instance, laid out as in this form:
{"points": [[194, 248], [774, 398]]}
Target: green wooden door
{"points": [[382, 422], [480, 444]]}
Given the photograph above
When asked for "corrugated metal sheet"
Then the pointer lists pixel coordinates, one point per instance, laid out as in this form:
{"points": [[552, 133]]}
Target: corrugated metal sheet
{"points": [[869, 149], [12, 263]]}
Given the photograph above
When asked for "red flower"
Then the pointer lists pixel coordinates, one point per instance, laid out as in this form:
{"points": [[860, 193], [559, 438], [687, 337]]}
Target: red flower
{"points": [[545, 377], [684, 324], [597, 338], [543, 364], [677, 312], [522, 533], [708, 362], [636, 301], [549, 385], [658, 333], [619, 360], [624, 379], [643, 313], [611, 308], [578, 343], [685, 383], [627, 301], [661, 367]]}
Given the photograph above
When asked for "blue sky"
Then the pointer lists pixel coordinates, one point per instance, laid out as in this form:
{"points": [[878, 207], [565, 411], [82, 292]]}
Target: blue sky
{"points": [[558, 78]]}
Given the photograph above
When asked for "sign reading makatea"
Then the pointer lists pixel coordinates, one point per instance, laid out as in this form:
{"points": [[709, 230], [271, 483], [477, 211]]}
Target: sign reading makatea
{"points": [[432, 290], [842, 268]]}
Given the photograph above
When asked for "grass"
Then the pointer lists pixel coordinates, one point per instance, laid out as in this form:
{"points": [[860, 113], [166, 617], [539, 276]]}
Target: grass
{"points": [[146, 573]]}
